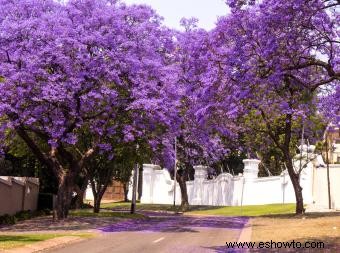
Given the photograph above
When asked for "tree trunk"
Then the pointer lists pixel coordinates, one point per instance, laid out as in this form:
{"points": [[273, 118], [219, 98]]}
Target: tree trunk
{"points": [[184, 193], [96, 205], [66, 175], [64, 196], [328, 178], [98, 191], [80, 194], [126, 191], [295, 178], [140, 183]]}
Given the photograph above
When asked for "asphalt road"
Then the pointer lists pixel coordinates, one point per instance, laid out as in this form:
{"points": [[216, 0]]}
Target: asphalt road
{"points": [[163, 233]]}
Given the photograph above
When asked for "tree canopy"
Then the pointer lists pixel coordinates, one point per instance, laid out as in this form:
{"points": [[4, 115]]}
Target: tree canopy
{"points": [[78, 76]]}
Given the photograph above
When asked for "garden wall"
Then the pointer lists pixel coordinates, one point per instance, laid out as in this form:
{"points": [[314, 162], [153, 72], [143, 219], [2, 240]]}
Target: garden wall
{"points": [[18, 194], [246, 188], [320, 187], [224, 190]]}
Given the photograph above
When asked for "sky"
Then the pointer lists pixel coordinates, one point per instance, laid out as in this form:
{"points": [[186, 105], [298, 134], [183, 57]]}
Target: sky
{"points": [[172, 11]]}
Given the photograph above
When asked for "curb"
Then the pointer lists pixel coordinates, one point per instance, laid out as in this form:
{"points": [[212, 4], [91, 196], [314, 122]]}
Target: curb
{"points": [[245, 235]]}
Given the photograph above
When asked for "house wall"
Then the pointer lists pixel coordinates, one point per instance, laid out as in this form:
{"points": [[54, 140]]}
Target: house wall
{"points": [[332, 135], [114, 192], [18, 194]]}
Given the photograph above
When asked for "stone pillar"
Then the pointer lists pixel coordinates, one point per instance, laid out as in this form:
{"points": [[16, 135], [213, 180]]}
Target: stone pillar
{"points": [[148, 183], [201, 173], [251, 168]]}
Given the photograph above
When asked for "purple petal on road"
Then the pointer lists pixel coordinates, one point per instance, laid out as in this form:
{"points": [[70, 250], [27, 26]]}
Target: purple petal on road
{"points": [[175, 223]]}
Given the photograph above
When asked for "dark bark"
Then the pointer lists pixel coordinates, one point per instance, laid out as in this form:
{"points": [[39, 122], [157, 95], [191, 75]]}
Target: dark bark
{"points": [[64, 196], [67, 182], [97, 201], [99, 184], [295, 178], [181, 179], [98, 191], [140, 183], [134, 184], [80, 190], [284, 146], [64, 166], [328, 177]]}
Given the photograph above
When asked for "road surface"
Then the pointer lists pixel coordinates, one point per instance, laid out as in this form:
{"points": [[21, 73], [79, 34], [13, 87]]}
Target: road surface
{"points": [[163, 233]]}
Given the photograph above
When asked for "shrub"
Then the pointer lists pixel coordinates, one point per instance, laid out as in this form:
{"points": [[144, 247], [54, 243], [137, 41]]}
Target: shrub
{"points": [[7, 219], [23, 215], [86, 206]]}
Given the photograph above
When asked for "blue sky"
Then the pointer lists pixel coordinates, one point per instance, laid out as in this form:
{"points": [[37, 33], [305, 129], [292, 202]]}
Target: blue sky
{"points": [[206, 11]]}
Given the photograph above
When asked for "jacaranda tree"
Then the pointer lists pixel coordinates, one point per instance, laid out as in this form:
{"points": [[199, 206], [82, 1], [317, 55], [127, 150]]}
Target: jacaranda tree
{"points": [[207, 113], [279, 54], [69, 69]]}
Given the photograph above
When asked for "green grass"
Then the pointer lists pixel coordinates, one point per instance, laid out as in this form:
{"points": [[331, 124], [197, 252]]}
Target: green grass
{"points": [[15, 241], [256, 210], [144, 207], [110, 214]]}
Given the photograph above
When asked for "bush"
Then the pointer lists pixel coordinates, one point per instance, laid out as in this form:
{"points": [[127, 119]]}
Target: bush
{"points": [[8, 219], [24, 215], [86, 206], [42, 212]]}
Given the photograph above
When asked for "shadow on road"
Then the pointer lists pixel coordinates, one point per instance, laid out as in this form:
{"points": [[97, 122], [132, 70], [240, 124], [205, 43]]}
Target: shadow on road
{"points": [[176, 223]]}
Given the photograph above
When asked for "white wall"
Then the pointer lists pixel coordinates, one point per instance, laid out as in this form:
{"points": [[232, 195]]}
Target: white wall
{"points": [[320, 186], [224, 190], [246, 189]]}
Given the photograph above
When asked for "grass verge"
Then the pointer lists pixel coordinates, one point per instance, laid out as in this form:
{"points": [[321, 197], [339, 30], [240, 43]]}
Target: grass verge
{"points": [[256, 210], [104, 214], [15, 241], [144, 207]]}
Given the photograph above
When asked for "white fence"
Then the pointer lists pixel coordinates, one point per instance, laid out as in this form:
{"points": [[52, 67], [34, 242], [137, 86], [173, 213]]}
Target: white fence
{"points": [[246, 189], [224, 190]]}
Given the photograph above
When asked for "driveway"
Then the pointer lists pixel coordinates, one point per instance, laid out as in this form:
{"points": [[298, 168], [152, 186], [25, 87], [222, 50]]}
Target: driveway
{"points": [[163, 233]]}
